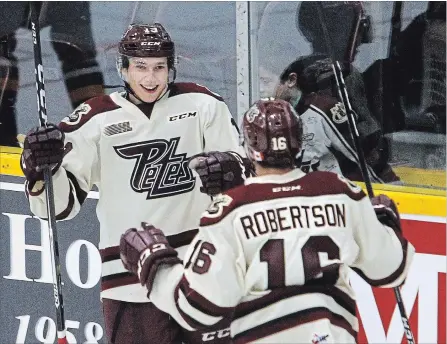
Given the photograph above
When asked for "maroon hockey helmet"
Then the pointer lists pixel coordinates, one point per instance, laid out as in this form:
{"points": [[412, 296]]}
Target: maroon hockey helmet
{"points": [[272, 133], [145, 40]]}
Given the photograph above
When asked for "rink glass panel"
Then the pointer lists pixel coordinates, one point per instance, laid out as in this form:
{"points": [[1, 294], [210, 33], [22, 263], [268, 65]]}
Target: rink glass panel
{"points": [[412, 79], [237, 50]]}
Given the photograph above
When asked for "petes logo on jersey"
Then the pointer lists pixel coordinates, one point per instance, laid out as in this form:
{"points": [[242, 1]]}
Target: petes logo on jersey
{"points": [[252, 113], [75, 117], [158, 170], [216, 207], [354, 187]]}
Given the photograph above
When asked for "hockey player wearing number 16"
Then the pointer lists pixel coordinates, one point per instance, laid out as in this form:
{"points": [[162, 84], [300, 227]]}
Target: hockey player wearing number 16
{"points": [[138, 148], [276, 250]]}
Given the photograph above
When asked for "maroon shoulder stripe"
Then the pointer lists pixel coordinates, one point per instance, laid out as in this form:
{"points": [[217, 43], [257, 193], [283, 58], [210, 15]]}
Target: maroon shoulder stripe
{"points": [[189, 87], [314, 184], [84, 113]]}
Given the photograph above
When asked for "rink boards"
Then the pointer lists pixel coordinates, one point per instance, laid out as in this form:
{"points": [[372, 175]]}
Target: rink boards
{"points": [[26, 304]]}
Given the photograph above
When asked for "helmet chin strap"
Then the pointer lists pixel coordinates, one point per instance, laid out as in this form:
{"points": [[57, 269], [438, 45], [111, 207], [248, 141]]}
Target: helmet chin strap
{"points": [[129, 90]]}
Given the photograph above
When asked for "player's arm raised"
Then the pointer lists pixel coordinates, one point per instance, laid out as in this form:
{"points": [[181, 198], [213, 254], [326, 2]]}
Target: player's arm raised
{"points": [[385, 255], [223, 164], [70, 150], [198, 294]]}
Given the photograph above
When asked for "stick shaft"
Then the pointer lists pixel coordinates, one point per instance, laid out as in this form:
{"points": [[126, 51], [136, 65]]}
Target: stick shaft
{"points": [[52, 230], [344, 98]]}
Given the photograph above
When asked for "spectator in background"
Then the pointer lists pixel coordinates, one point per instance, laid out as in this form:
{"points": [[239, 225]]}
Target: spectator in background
{"points": [[308, 84], [337, 29], [408, 87], [72, 40], [348, 27], [405, 90]]}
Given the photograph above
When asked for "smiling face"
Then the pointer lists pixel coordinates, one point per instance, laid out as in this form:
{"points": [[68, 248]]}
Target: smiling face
{"points": [[147, 77]]}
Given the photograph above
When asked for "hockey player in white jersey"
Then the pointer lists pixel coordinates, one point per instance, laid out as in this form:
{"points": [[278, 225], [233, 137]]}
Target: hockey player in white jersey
{"points": [[308, 84], [136, 146], [278, 250]]}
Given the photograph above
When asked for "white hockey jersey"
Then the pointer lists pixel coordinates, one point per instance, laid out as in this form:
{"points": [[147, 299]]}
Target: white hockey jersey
{"points": [[327, 142], [277, 251], [139, 165]]}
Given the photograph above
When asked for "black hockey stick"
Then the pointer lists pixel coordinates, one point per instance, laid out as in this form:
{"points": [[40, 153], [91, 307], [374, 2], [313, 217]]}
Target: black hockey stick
{"points": [[343, 95], [344, 98], [54, 245]]}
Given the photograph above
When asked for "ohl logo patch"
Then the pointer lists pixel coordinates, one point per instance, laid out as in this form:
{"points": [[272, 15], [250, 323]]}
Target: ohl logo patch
{"points": [[158, 170]]}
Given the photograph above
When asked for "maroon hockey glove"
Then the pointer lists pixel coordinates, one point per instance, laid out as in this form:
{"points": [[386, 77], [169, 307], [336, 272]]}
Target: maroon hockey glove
{"points": [[220, 171], [387, 212], [143, 251], [43, 147]]}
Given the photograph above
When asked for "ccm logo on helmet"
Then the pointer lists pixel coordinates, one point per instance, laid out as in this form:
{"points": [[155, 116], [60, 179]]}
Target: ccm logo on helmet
{"points": [[182, 116], [150, 43]]}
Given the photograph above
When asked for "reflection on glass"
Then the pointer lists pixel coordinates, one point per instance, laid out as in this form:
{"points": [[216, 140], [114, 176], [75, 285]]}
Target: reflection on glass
{"points": [[394, 54], [395, 75], [70, 37]]}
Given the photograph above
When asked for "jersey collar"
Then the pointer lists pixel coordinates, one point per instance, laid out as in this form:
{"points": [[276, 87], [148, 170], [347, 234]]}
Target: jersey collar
{"points": [[276, 178]]}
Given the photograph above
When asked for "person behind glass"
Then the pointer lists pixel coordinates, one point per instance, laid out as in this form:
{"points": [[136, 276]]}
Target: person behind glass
{"points": [[345, 27], [405, 90], [411, 81], [72, 40], [308, 84], [140, 147]]}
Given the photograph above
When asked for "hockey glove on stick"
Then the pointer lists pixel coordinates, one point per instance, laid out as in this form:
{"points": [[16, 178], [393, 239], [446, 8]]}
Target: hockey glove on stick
{"points": [[43, 147], [387, 212], [220, 171], [143, 251]]}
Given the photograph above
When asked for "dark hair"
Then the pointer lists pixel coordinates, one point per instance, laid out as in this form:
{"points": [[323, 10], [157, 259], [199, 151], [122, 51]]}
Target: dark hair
{"points": [[307, 76]]}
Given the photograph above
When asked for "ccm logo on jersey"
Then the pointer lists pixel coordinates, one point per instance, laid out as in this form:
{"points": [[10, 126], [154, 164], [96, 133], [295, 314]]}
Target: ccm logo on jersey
{"points": [[182, 116], [215, 334], [150, 43], [287, 188]]}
